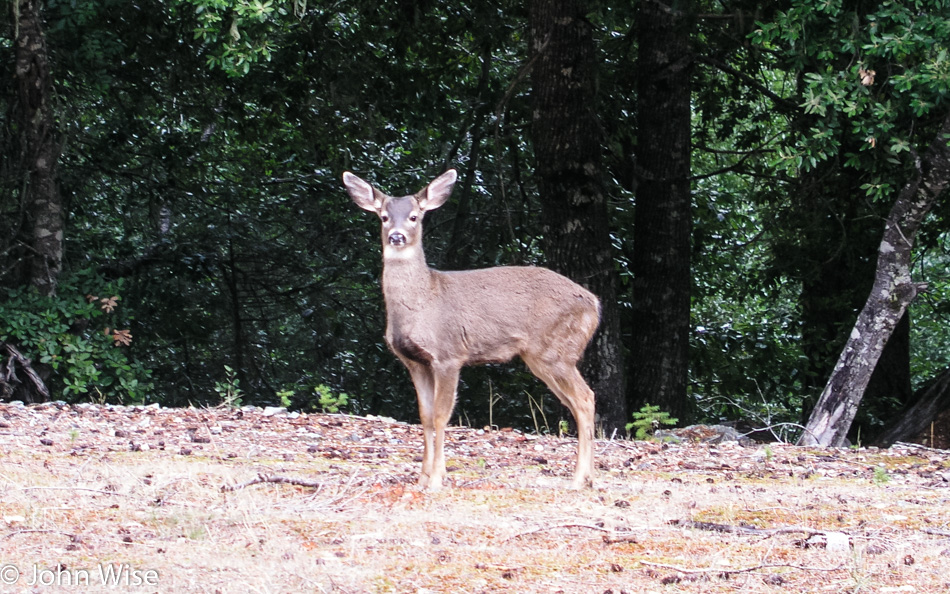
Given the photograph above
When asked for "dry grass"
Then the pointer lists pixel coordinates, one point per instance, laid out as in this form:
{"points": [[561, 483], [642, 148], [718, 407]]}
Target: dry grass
{"points": [[79, 495]]}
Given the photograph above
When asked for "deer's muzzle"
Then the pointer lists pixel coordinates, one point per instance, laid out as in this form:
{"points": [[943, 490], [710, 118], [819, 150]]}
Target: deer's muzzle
{"points": [[397, 239]]}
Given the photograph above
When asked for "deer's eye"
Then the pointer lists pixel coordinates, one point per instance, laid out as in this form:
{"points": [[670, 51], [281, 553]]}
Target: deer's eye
{"points": [[384, 218], [413, 218]]}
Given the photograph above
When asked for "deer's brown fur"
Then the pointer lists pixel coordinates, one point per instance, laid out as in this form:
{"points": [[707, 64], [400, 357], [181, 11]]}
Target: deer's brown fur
{"points": [[438, 322]]}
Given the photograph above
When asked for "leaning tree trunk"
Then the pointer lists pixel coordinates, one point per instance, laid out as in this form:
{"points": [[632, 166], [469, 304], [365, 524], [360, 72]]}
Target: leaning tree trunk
{"points": [[892, 292], [39, 147], [567, 141], [662, 219]]}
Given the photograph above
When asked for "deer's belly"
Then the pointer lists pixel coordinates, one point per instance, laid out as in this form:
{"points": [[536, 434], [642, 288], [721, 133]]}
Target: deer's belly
{"points": [[450, 347]]}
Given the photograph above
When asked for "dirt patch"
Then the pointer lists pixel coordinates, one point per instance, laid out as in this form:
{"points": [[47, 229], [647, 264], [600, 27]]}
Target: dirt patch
{"points": [[147, 499]]}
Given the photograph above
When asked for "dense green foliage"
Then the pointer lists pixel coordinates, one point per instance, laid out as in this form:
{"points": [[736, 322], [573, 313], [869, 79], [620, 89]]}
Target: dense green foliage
{"points": [[205, 140]]}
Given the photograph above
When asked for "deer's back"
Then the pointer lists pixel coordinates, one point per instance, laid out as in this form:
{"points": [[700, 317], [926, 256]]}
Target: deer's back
{"points": [[491, 315]]}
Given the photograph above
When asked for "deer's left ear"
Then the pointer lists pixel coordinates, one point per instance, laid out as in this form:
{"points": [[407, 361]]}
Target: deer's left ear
{"points": [[438, 191]]}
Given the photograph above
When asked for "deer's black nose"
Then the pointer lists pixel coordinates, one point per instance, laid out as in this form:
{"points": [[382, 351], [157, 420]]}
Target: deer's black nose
{"points": [[397, 239]]}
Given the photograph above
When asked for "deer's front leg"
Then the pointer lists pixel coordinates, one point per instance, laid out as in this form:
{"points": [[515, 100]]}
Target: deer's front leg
{"points": [[446, 379], [425, 394]]}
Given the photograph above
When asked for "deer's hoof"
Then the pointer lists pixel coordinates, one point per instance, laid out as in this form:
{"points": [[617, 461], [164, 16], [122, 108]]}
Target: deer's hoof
{"points": [[582, 482], [435, 484], [430, 483]]}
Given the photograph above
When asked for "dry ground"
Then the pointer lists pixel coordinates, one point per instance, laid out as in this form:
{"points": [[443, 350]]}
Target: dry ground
{"points": [[147, 499]]}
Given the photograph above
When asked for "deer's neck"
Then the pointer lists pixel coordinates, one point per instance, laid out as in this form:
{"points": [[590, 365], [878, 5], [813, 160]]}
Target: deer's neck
{"points": [[406, 280]]}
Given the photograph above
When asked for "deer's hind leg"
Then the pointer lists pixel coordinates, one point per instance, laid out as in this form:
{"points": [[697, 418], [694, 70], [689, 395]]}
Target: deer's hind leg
{"points": [[569, 386]]}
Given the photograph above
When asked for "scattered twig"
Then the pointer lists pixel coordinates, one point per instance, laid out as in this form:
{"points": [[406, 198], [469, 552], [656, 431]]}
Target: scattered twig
{"points": [[935, 532], [346, 496], [263, 478], [556, 527], [499, 567], [917, 446], [621, 443], [473, 483], [99, 491], [34, 531], [609, 540]]}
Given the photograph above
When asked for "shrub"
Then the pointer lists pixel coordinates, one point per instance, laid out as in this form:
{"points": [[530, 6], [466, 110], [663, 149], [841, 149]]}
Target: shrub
{"points": [[75, 339]]}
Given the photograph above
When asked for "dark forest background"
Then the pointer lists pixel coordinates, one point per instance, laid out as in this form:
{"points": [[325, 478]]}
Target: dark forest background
{"points": [[173, 227]]}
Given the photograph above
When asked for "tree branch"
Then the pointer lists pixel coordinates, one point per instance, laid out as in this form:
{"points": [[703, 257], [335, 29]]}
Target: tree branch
{"points": [[748, 80]]}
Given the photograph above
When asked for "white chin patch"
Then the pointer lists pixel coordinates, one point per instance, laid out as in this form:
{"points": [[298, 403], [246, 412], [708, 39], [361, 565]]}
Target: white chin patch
{"points": [[391, 252]]}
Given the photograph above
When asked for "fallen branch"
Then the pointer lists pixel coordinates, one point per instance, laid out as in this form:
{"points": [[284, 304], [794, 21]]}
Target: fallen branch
{"points": [[713, 527], [728, 571], [9, 376], [283, 480], [612, 537]]}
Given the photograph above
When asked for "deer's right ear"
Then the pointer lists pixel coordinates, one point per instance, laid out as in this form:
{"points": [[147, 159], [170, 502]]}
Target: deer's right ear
{"points": [[438, 191], [361, 192]]}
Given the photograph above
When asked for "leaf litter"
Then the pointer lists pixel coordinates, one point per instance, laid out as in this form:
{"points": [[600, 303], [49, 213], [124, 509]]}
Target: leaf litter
{"points": [[238, 500]]}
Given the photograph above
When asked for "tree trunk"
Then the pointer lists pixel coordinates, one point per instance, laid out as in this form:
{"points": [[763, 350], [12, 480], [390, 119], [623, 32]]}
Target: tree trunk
{"points": [[892, 292], [567, 141], [39, 147], [889, 390], [930, 401], [662, 219], [831, 257]]}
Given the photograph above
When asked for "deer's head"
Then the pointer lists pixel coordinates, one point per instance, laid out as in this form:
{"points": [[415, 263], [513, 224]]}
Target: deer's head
{"points": [[401, 217]]}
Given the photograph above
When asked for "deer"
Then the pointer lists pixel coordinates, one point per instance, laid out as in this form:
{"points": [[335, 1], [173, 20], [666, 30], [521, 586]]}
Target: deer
{"points": [[439, 321]]}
